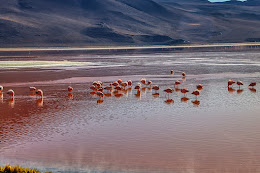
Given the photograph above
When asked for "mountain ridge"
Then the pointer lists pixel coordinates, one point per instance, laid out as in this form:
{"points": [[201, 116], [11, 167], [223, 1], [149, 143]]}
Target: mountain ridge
{"points": [[123, 22]]}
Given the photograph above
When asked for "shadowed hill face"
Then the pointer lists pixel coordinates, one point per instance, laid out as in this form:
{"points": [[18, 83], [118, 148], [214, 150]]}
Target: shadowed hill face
{"points": [[124, 22]]}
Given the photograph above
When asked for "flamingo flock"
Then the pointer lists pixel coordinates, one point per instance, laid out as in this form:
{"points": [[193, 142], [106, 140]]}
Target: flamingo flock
{"points": [[120, 87]]}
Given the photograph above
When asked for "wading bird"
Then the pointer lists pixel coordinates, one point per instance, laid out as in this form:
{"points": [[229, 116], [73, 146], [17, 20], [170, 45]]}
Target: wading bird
{"points": [[156, 88], [239, 83], [32, 89], [168, 91], [196, 93], [183, 74], [184, 91], [177, 83], [1, 88], [200, 87], [10, 93], [230, 82], [252, 84], [70, 89], [129, 83], [39, 92], [143, 81]]}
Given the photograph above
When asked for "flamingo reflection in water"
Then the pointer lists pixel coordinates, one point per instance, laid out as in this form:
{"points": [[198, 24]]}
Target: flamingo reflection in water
{"points": [[169, 101], [156, 95], [70, 96], [239, 91], [231, 90], [185, 99], [39, 102], [253, 90], [196, 103], [11, 102], [1, 97]]}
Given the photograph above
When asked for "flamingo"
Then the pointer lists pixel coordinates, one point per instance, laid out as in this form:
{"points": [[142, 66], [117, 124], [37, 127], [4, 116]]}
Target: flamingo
{"points": [[95, 83], [156, 88], [93, 87], [32, 89], [39, 92], [129, 83], [1, 88], [124, 84], [230, 82], [100, 94], [101, 89], [118, 88], [200, 87], [109, 87], [149, 83], [10, 93], [70, 89], [239, 83], [101, 83], [172, 72], [196, 93], [183, 74], [251, 85], [138, 86], [184, 91], [168, 91], [177, 83], [143, 81], [119, 81], [115, 84]]}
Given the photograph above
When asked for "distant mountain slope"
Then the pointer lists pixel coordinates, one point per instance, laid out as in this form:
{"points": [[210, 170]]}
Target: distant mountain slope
{"points": [[125, 22]]}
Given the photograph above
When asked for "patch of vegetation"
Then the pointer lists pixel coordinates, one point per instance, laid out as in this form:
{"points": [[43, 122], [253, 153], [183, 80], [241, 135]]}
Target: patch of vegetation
{"points": [[17, 169]]}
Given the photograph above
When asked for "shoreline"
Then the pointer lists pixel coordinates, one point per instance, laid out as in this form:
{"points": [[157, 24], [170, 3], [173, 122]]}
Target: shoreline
{"points": [[93, 48]]}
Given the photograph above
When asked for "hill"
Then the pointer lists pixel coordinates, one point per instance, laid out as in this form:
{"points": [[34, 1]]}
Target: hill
{"points": [[124, 22]]}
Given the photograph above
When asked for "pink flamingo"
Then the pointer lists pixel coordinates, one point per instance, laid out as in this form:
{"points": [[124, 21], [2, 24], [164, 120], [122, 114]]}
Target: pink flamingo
{"points": [[143, 81], [230, 82], [100, 94], [149, 83], [239, 83], [32, 89], [70, 89], [10, 93], [183, 74], [177, 83], [115, 84], [138, 87], [168, 91], [252, 84], [184, 91], [120, 81], [196, 93], [172, 72], [200, 87], [156, 88], [129, 83], [124, 84], [1, 88], [39, 92]]}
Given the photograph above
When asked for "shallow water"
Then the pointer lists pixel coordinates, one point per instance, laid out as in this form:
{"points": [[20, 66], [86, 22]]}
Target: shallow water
{"points": [[218, 132]]}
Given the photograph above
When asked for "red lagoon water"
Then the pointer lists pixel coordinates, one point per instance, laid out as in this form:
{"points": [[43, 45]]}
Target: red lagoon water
{"points": [[130, 131]]}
